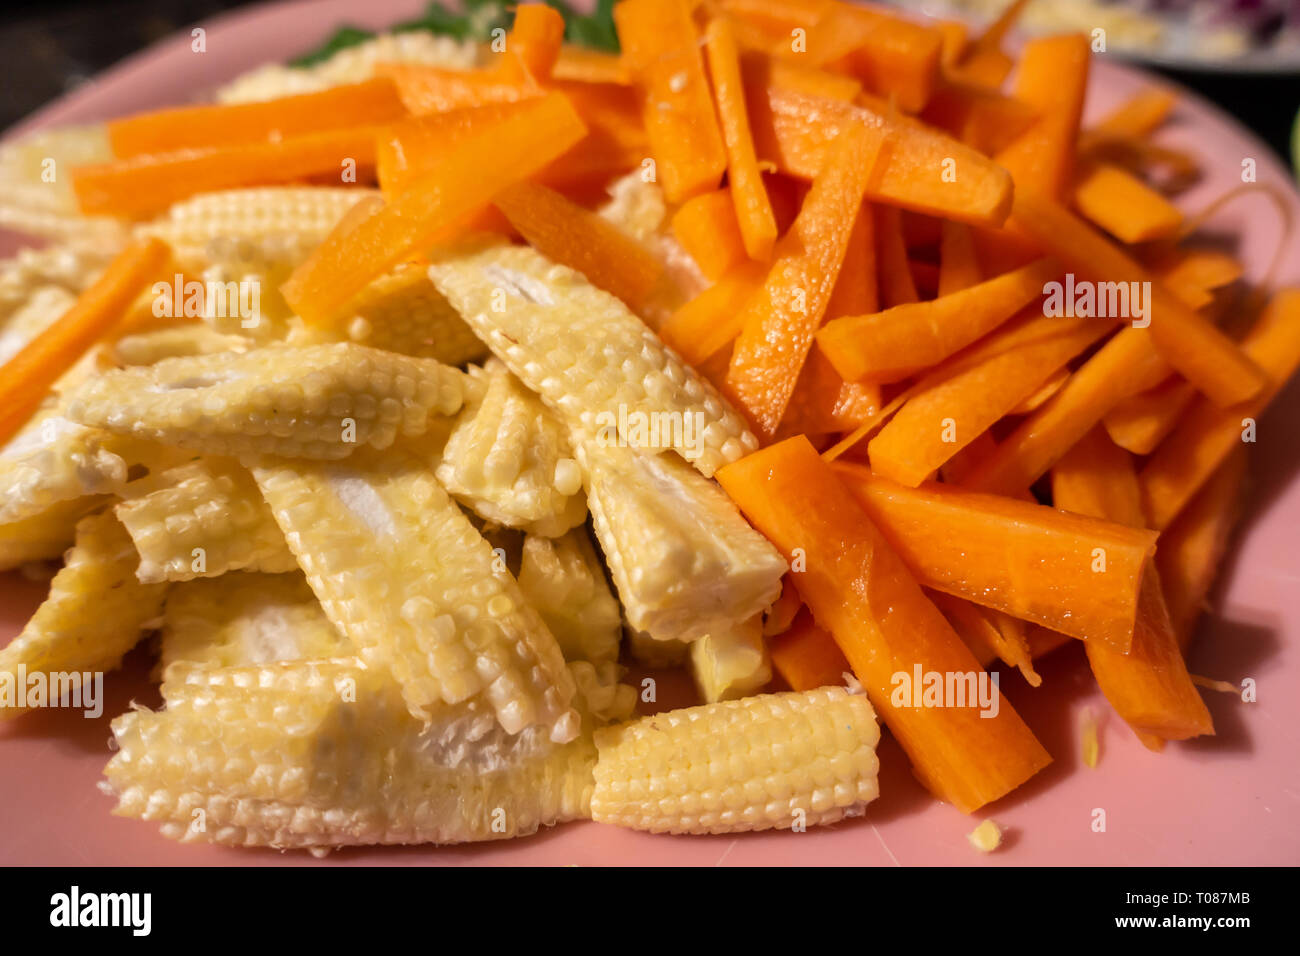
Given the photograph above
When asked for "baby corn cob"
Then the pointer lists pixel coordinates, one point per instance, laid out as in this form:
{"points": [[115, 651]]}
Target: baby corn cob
{"points": [[193, 338], [324, 753], [95, 612], [36, 313], [246, 618], [71, 268], [400, 570], [732, 663], [201, 520], [562, 578], [509, 459], [322, 401], [773, 761], [401, 312], [44, 536], [53, 459], [589, 358], [648, 652], [32, 203], [684, 561]]}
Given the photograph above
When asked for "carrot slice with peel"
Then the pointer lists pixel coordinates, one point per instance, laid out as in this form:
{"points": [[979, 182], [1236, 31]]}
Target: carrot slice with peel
{"points": [[26, 378], [1074, 574], [860, 590]]}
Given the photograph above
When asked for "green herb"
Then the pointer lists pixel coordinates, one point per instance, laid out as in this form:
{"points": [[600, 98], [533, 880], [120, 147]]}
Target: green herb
{"points": [[343, 38]]}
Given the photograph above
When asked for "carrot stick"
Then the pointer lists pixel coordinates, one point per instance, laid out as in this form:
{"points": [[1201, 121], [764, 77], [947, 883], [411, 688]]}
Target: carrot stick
{"points": [[410, 148], [148, 183], [1207, 434], [433, 89], [956, 37], [533, 44], [986, 382], [1139, 116], [702, 327], [1074, 574], [794, 131], [984, 62], [660, 44], [26, 378], [1194, 544], [1204, 355], [1195, 271], [857, 290], [899, 342], [433, 206], [1149, 686], [578, 238], [959, 267], [707, 229], [780, 616], [894, 278], [990, 634], [979, 117], [1052, 79], [764, 70], [858, 588], [896, 58], [1140, 422], [1123, 205], [753, 210], [779, 321], [807, 657], [580, 64], [197, 127]]}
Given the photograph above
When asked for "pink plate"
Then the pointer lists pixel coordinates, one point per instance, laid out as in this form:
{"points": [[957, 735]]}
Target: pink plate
{"points": [[1232, 799]]}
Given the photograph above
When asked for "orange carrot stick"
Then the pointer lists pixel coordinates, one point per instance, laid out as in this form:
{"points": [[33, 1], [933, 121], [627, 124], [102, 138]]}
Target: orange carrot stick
{"points": [[779, 321], [1141, 422], [780, 616], [1138, 116], [977, 116], [894, 277], [764, 70], [983, 61], [1044, 392], [707, 229], [982, 385], [807, 657], [660, 44], [1195, 271], [753, 210], [580, 64], [959, 266], [433, 206], [858, 588], [702, 327], [794, 131], [893, 57], [1074, 574], [1149, 686], [578, 238], [533, 44], [26, 378], [1193, 545], [991, 635], [1123, 205], [1207, 434], [196, 127], [410, 148], [899, 342], [148, 183], [1204, 355], [433, 89]]}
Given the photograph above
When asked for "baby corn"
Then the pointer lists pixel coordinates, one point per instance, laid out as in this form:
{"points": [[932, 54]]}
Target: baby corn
{"points": [[46, 535], [732, 663], [562, 578], [53, 459]]}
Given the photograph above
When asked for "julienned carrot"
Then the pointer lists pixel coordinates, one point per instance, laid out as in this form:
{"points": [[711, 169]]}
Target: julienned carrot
{"points": [[959, 266], [956, 37], [858, 589], [745, 181], [925, 277], [533, 44], [897, 343], [1205, 356], [1043, 393], [1207, 434], [1052, 79], [991, 635], [148, 183], [798, 78], [702, 327], [979, 117], [807, 657], [1149, 686], [1123, 205], [980, 386], [780, 616], [779, 321], [407, 149], [580, 64], [660, 44], [1074, 574], [896, 58], [794, 131], [857, 289], [434, 205], [893, 277], [707, 229], [195, 127], [580, 239], [1138, 116], [26, 378], [983, 61], [1126, 364], [1195, 271], [433, 89], [1193, 545], [1140, 422]]}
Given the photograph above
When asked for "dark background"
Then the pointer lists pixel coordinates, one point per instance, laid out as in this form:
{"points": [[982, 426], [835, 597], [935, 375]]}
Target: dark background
{"points": [[47, 48]]}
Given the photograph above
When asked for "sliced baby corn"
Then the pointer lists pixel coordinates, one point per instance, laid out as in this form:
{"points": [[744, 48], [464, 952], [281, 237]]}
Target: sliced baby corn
{"points": [[589, 358], [95, 612], [32, 316], [773, 761], [509, 459], [201, 520], [324, 753], [321, 401], [191, 338], [246, 618], [563, 579], [400, 570], [684, 561], [53, 459], [46, 535], [71, 268], [732, 663]]}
